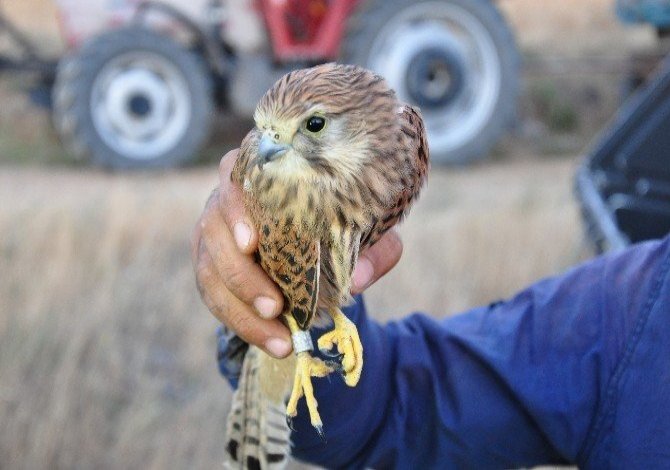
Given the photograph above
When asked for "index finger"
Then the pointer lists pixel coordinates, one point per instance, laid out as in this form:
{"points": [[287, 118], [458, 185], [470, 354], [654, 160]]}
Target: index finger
{"points": [[271, 335], [232, 206], [196, 234]]}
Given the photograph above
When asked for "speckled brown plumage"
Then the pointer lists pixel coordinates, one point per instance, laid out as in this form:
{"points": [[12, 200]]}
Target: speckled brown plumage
{"points": [[292, 260], [327, 194]]}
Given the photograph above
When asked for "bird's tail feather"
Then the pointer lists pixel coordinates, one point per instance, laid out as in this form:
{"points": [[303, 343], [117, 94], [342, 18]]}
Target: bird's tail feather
{"points": [[257, 430]]}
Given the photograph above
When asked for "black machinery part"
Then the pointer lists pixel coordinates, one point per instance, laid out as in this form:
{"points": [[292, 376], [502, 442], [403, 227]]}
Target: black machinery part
{"points": [[624, 184]]}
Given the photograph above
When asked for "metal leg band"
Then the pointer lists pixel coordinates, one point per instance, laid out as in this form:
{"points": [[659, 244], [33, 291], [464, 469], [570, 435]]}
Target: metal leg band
{"points": [[302, 341]]}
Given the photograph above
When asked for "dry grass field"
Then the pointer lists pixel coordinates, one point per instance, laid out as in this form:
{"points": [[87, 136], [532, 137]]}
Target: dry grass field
{"points": [[106, 353]]}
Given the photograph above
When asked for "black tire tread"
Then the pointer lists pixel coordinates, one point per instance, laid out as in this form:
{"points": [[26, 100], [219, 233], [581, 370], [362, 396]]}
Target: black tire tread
{"points": [[76, 74], [373, 14]]}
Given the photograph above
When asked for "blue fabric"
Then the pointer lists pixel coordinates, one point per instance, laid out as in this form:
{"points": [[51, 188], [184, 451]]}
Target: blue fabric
{"points": [[655, 12], [574, 369], [230, 354]]}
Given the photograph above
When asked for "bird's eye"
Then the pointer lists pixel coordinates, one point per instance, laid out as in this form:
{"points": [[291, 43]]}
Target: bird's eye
{"points": [[315, 124]]}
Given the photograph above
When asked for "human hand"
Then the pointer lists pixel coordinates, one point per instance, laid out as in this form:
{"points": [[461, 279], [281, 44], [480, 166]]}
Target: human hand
{"points": [[236, 289]]}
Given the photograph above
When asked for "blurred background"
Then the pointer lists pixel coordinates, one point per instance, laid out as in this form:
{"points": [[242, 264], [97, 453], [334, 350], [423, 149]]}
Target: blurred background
{"points": [[107, 356]]}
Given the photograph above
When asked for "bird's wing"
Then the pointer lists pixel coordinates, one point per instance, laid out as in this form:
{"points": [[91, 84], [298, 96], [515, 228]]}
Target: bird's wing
{"points": [[338, 258], [415, 159], [292, 259]]}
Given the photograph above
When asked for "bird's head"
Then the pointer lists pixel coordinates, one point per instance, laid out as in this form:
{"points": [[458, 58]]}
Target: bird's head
{"points": [[325, 122]]}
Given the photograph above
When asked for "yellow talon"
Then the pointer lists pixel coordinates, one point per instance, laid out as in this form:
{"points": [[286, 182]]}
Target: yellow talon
{"points": [[345, 336], [307, 368]]}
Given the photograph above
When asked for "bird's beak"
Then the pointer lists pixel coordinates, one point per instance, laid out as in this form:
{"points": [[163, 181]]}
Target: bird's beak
{"points": [[269, 150]]}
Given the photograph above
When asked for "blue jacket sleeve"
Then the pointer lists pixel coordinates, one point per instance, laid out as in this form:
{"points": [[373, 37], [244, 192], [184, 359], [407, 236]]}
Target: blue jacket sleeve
{"points": [[541, 378]]}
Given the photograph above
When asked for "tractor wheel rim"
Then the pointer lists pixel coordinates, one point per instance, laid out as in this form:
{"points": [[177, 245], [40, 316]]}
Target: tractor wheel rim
{"points": [[463, 103], [435, 78], [140, 105]]}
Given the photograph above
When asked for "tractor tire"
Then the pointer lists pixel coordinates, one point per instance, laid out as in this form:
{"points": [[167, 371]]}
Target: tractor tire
{"points": [[133, 98], [456, 60]]}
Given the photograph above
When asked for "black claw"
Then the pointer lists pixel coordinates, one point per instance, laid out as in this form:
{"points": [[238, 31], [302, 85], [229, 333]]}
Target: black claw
{"points": [[289, 423], [329, 353], [336, 366], [319, 431]]}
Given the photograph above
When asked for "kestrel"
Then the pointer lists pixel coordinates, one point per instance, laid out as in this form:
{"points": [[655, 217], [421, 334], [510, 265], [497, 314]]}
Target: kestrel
{"points": [[333, 162]]}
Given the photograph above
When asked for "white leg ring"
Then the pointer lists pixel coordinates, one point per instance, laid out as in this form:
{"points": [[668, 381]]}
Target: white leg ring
{"points": [[302, 341]]}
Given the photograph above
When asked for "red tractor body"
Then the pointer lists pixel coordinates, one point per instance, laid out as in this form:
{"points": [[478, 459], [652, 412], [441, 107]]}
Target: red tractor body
{"points": [[306, 29], [297, 29]]}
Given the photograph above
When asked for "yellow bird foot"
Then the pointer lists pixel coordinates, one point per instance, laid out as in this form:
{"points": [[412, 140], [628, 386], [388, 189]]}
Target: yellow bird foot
{"points": [[307, 368], [345, 336]]}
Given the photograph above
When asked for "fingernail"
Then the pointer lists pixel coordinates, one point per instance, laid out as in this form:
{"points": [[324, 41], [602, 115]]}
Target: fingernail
{"points": [[265, 306], [242, 234], [362, 273], [278, 347]]}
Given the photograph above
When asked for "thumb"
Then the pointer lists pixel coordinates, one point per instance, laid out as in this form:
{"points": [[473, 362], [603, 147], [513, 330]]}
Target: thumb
{"points": [[376, 261]]}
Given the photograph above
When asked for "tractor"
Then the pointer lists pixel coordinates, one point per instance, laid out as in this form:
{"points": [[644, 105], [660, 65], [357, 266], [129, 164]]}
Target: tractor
{"points": [[142, 81]]}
